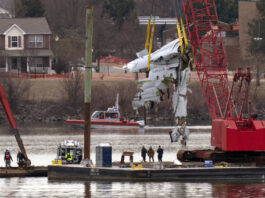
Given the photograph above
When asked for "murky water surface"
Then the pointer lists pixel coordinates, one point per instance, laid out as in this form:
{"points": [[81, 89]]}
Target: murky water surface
{"points": [[41, 143]]}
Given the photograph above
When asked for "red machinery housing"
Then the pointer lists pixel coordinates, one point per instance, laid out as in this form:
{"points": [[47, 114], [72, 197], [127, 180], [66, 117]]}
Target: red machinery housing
{"points": [[231, 129]]}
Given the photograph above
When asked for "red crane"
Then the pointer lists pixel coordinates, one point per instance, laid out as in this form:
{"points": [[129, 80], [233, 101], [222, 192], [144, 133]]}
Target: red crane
{"points": [[12, 123], [232, 133]]}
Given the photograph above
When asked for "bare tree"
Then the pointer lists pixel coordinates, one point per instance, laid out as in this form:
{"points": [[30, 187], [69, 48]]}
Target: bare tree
{"points": [[16, 89], [72, 89]]}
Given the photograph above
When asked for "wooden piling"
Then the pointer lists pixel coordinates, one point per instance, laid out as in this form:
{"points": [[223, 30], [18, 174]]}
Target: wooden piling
{"points": [[88, 72]]}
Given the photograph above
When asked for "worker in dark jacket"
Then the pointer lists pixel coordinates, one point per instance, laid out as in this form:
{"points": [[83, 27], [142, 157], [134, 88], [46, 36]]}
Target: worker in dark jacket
{"points": [[143, 153], [151, 154], [21, 160], [160, 153], [8, 158]]}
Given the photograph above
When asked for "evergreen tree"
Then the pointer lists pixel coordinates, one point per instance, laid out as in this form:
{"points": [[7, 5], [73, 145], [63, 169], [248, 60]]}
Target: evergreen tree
{"points": [[29, 8], [257, 31], [227, 10], [119, 11]]}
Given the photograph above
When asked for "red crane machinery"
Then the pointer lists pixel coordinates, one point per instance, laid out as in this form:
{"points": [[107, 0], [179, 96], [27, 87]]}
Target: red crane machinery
{"points": [[234, 136], [12, 123]]}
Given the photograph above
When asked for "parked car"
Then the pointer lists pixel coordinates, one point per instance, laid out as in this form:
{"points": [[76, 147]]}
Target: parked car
{"points": [[81, 67]]}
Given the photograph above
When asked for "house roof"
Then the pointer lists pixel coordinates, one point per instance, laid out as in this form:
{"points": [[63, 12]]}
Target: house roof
{"points": [[28, 25]]}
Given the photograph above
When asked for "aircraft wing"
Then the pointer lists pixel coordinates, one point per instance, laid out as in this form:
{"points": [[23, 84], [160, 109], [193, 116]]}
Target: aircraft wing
{"points": [[167, 55]]}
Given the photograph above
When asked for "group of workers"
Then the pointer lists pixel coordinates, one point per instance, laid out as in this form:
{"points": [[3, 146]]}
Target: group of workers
{"points": [[21, 160], [150, 152]]}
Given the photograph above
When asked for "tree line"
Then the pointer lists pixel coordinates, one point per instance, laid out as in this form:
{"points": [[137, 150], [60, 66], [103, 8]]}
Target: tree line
{"points": [[116, 28]]}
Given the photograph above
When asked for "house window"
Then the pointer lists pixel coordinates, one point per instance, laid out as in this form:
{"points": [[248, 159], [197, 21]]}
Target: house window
{"points": [[14, 41], [36, 41]]}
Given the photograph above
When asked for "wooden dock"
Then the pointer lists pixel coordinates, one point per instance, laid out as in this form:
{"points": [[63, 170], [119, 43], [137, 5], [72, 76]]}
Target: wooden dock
{"points": [[68, 172], [34, 171]]}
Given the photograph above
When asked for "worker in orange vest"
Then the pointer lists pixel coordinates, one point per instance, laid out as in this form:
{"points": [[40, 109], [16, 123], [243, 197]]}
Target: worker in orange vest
{"points": [[8, 158]]}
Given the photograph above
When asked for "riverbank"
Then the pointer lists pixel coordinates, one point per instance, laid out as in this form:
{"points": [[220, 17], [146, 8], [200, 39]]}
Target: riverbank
{"points": [[52, 100]]}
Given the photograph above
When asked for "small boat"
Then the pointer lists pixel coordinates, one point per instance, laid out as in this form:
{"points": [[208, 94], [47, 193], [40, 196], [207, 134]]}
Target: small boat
{"points": [[108, 119], [68, 146]]}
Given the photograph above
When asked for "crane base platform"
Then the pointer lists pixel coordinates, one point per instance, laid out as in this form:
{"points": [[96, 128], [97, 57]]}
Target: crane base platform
{"points": [[222, 156], [243, 135]]}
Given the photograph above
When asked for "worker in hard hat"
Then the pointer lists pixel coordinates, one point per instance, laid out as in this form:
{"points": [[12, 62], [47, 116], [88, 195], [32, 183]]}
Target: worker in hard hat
{"points": [[69, 158], [8, 158]]}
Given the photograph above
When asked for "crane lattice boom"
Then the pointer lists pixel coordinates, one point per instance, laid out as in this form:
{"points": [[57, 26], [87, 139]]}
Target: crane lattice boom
{"points": [[231, 131], [209, 55]]}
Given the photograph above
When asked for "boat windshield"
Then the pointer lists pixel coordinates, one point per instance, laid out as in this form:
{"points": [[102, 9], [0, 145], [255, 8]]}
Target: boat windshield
{"points": [[111, 115], [63, 151], [98, 115], [75, 152]]}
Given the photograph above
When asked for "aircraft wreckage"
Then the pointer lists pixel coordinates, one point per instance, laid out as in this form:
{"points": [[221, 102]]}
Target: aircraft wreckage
{"points": [[168, 66]]}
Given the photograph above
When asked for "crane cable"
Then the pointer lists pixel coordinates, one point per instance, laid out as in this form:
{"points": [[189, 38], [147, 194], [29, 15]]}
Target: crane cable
{"points": [[148, 28], [178, 28], [150, 41], [184, 33], [182, 26], [150, 45], [179, 35], [147, 33]]}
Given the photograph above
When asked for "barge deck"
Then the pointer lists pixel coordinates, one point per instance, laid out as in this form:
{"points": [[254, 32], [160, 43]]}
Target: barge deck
{"points": [[36, 171]]}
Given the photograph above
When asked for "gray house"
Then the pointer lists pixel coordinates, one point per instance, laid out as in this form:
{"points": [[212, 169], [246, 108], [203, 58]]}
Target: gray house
{"points": [[25, 45]]}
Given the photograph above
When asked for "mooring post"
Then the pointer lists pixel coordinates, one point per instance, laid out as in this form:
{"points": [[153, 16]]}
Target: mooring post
{"points": [[88, 67]]}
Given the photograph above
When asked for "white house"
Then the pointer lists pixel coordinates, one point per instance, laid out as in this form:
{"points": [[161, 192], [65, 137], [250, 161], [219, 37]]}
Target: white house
{"points": [[25, 45]]}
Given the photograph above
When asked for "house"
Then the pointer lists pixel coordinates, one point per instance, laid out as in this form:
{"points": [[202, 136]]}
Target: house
{"points": [[25, 45]]}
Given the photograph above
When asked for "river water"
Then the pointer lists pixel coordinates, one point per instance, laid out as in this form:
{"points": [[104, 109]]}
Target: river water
{"points": [[41, 142]]}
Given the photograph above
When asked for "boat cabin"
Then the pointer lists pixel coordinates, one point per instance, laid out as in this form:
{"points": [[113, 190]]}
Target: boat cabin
{"points": [[106, 116], [73, 148]]}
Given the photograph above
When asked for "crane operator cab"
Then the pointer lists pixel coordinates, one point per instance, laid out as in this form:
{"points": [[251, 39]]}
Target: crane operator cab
{"points": [[69, 152]]}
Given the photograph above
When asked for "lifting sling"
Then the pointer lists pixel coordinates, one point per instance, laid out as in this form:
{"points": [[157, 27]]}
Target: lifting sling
{"points": [[150, 45]]}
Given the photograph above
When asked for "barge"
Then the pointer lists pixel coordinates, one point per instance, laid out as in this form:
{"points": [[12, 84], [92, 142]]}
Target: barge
{"points": [[71, 172]]}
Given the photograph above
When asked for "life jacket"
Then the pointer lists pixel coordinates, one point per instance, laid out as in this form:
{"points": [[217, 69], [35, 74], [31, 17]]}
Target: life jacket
{"points": [[68, 156], [7, 156]]}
